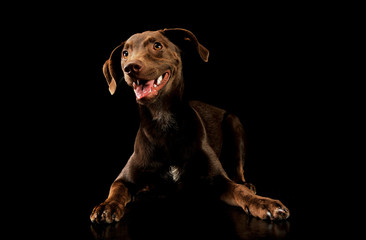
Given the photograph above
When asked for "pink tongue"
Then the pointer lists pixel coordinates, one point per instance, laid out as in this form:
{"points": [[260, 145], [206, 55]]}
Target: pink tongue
{"points": [[144, 89]]}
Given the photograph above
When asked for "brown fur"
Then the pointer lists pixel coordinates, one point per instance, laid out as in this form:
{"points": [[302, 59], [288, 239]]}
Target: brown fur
{"points": [[187, 143]]}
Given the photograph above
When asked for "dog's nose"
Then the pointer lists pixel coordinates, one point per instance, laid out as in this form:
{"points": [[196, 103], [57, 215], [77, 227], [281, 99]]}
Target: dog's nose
{"points": [[133, 67]]}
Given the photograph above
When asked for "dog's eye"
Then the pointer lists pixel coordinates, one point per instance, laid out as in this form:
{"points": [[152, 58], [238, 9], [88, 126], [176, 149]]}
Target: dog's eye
{"points": [[158, 46], [125, 53]]}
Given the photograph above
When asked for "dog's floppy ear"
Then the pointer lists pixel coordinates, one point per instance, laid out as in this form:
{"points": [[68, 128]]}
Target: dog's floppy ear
{"points": [[179, 35], [112, 69]]}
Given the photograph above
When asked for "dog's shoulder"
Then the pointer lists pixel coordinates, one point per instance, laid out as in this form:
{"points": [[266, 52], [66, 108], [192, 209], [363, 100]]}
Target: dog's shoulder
{"points": [[212, 119], [208, 112]]}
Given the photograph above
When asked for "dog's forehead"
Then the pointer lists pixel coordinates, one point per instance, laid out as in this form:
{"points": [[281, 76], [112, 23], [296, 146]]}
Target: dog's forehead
{"points": [[139, 38]]}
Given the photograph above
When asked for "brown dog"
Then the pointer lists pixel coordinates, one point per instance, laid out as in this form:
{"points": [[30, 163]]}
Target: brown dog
{"points": [[181, 142]]}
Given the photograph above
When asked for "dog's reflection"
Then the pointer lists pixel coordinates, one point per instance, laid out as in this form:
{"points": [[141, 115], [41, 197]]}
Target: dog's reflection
{"points": [[247, 227], [166, 220]]}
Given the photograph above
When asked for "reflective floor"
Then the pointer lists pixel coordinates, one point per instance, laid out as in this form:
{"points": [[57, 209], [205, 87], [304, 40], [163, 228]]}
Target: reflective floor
{"points": [[173, 220]]}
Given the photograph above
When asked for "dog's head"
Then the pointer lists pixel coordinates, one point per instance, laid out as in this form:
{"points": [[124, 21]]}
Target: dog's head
{"points": [[151, 62]]}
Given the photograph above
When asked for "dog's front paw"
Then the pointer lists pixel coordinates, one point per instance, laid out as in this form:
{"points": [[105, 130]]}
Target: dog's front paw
{"points": [[267, 208], [107, 212]]}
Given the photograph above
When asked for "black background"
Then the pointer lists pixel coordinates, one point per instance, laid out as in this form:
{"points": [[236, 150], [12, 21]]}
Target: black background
{"points": [[70, 138]]}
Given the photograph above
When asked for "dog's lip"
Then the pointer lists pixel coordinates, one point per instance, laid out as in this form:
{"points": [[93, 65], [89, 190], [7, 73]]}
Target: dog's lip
{"points": [[144, 88]]}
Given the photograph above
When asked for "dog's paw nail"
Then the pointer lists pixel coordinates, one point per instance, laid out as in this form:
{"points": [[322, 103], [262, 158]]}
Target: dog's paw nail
{"points": [[281, 211], [247, 210], [269, 214]]}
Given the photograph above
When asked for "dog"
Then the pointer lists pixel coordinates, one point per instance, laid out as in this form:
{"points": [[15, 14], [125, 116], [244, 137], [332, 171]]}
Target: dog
{"points": [[181, 142]]}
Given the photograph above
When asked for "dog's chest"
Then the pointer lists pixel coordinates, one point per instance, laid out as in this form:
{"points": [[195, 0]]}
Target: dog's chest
{"points": [[174, 173]]}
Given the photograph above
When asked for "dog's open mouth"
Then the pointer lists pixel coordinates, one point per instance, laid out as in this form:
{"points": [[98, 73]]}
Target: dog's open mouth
{"points": [[144, 88]]}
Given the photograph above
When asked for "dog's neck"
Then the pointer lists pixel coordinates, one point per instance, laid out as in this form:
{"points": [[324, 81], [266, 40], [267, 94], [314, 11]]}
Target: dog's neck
{"points": [[160, 116], [163, 115]]}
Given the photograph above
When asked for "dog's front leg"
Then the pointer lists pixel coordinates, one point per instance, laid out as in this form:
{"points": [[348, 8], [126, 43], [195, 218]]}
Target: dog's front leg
{"points": [[112, 209], [261, 207]]}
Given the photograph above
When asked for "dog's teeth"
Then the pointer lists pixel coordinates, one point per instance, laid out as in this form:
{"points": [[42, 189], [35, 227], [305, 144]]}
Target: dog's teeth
{"points": [[160, 79], [138, 82], [155, 85]]}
